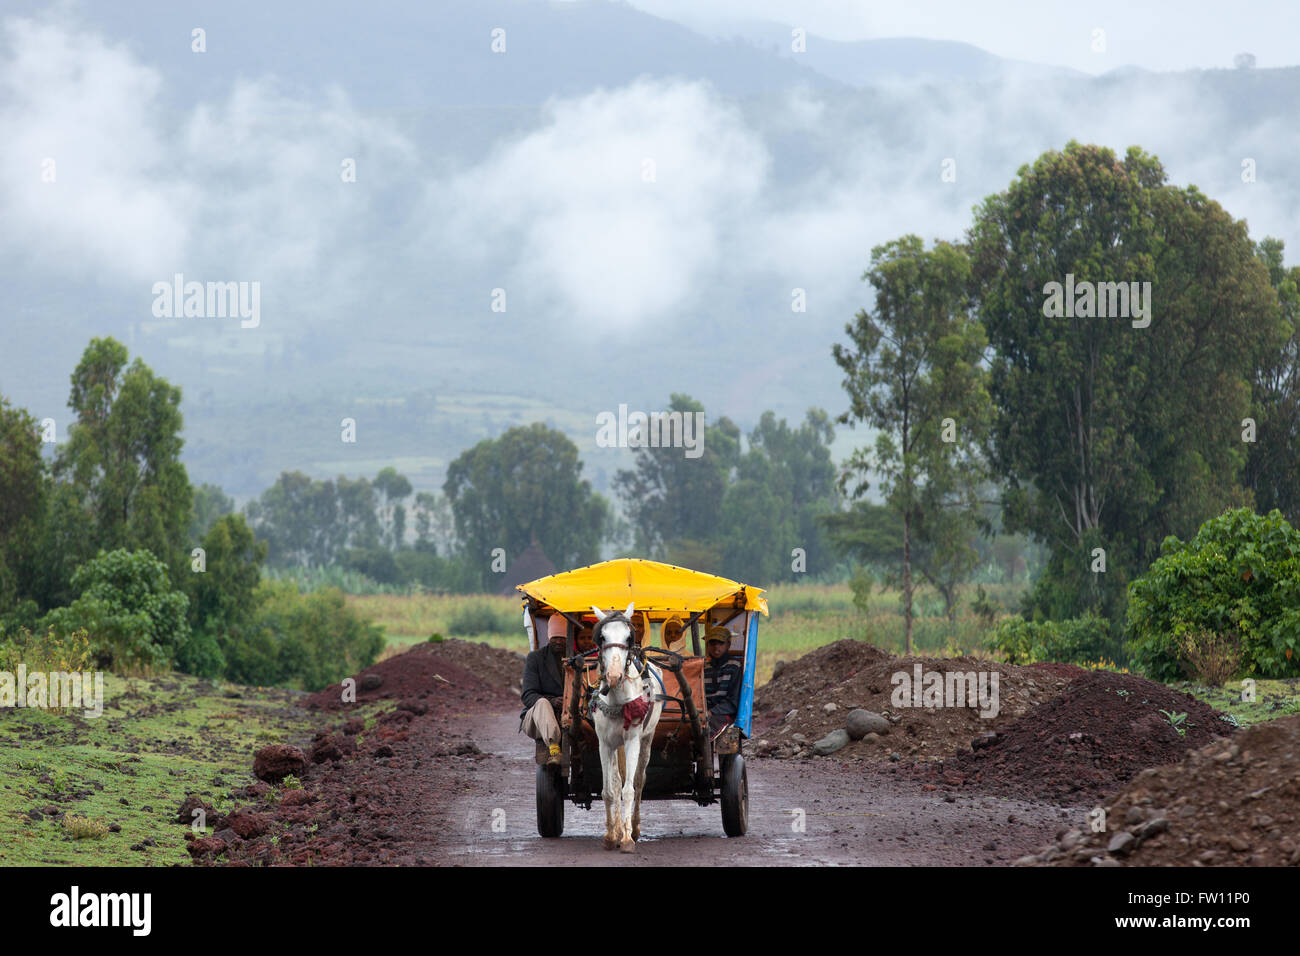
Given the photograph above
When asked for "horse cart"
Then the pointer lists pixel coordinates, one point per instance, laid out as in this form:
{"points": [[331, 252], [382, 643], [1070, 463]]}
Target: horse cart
{"points": [[687, 759]]}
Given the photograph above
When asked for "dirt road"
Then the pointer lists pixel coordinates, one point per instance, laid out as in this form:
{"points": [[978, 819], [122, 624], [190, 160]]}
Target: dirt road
{"points": [[442, 777], [848, 817]]}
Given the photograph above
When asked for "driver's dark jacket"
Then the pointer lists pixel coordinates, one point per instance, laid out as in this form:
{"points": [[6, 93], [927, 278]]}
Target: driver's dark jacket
{"points": [[722, 687], [543, 677]]}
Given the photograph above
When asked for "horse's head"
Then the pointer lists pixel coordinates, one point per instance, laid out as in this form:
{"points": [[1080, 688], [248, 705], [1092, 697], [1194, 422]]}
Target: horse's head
{"points": [[613, 635]]}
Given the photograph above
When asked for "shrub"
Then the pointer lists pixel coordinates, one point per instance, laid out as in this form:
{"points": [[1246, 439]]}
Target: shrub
{"points": [[310, 640], [47, 651], [1213, 659], [480, 618], [1072, 641], [128, 607], [1240, 574], [82, 828], [985, 609]]}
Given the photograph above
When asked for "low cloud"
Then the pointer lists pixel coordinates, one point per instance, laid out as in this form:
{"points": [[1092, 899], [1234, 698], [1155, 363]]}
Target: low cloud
{"points": [[619, 205]]}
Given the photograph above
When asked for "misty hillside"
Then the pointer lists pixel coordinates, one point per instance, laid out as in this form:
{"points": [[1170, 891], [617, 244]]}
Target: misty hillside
{"points": [[525, 172]]}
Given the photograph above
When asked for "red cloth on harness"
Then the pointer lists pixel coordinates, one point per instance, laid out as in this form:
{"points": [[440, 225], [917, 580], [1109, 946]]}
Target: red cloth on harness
{"points": [[634, 711]]}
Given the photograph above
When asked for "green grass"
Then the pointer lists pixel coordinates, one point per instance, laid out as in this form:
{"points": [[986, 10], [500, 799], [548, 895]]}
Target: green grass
{"points": [[410, 619], [157, 740], [1273, 699]]}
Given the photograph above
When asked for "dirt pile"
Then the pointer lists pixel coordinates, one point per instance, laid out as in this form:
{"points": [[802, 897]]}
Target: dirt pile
{"points": [[1103, 730], [376, 783], [500, 668], [465, 673], [792, 710], [1234, 802]]}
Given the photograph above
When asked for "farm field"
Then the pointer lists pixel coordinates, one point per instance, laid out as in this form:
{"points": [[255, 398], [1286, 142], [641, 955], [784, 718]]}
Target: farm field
{"points": [[804, 617]]}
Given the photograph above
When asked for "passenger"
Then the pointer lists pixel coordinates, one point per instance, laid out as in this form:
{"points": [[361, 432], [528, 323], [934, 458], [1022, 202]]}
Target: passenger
{"points": [[543, 690], [673, 635], [721, 679]]}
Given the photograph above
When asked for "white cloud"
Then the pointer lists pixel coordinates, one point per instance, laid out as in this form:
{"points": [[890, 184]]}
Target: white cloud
{"points": [[115, 203], [248, 187], [570, 208]]}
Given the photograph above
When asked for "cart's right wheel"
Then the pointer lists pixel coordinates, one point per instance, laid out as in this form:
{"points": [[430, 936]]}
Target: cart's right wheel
{"points": [[735, 796], [550, 801]]}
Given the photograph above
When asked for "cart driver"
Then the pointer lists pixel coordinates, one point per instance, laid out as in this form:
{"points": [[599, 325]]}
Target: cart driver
{"points": [[721, 679], [543, 689]]}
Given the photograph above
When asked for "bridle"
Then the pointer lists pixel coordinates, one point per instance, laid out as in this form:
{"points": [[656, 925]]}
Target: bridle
{"points": [[635, 655]]}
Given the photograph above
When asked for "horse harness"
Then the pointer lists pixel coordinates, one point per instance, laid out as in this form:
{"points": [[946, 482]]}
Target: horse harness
{"points": [[632, 710]]}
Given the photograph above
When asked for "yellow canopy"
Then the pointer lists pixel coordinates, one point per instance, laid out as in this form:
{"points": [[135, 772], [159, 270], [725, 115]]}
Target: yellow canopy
{"points": [[652, 586]]}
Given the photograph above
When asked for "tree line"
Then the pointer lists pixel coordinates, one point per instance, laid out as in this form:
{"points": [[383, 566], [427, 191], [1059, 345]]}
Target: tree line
{"points": [[107, 538], [1109, 439]]}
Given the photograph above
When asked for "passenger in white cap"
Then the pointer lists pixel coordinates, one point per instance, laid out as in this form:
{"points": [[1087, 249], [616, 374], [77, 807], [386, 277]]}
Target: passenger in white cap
{"points": [[543, 689]]}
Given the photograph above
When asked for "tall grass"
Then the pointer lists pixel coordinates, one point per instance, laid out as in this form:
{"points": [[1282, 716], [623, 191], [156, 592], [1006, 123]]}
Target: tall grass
{"points": [[407, 619], [348, 581]]}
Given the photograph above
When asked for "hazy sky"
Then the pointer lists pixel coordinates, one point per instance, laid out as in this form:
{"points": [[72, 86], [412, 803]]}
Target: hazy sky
{"points": [[1155, 36]]}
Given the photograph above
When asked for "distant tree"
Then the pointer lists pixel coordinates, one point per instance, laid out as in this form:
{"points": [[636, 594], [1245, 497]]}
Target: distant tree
{"points": [[210, 503], [299, 520], [433, 522], [1108, 435], [912, 372], [784, 482], [1273, 463], [23, 492], [674, 503], [525, 487], [357, 517], [392, 489], [122, 458], [223, 597]]}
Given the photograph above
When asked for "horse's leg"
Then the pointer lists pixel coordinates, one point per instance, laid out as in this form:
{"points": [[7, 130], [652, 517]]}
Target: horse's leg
{"points": [[638, 784], [632, 747], [647, 742], [609, 775], [620, 800]]}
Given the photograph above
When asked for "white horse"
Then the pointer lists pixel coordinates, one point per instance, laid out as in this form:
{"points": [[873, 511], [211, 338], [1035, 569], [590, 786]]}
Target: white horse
{"points": [[627, 712]]}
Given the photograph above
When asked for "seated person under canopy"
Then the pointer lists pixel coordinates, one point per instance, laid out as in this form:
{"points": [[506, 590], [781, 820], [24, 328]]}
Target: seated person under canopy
{"points": [[721, 679], [543, 688]]}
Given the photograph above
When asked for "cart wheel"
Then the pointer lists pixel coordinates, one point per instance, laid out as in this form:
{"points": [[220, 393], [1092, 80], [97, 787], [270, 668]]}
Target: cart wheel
{"points": [[735, 796], [550, 801]]}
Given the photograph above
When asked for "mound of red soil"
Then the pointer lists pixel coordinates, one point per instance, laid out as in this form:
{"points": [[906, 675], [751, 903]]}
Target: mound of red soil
{"points": [[462, 673], [499, 667], [1068, 671], [1103, 730], [791, 709], [1235, 802], [374, 791], [795, 683]]}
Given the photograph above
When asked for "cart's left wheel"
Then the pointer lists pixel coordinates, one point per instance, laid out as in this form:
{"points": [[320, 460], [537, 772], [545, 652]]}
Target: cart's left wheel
{"points": [[735, 796], [550, 801]]}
